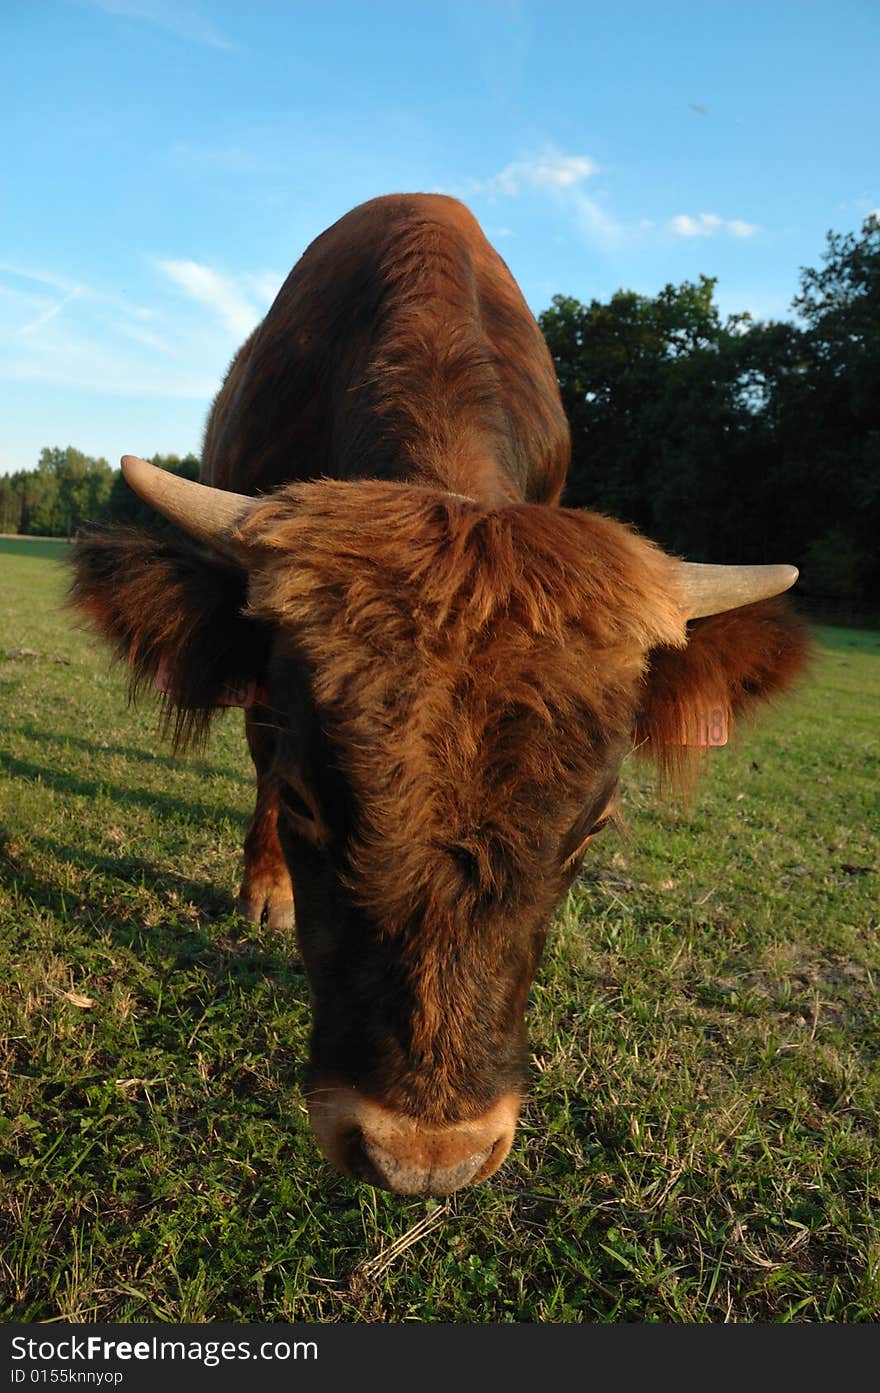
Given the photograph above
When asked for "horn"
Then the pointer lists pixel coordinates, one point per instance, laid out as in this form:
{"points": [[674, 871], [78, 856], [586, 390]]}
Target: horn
{"points": [[208, 514], [713, 589]]}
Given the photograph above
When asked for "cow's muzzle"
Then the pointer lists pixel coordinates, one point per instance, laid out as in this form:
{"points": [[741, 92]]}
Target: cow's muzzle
{"points": [[396, 1152]]}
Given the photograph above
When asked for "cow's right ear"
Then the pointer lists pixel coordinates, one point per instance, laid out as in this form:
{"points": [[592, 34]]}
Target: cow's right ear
{"points": [[175, 613], [732, 664]]}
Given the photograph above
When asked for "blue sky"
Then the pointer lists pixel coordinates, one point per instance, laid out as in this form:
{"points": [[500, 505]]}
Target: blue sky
{"points": [[164, 164]]}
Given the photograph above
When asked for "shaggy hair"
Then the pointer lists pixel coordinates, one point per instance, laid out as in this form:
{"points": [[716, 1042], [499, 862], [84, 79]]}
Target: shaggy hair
{"points": [[478, 673], [166, 601], [732, 664], [459, 680], [473, 668]]}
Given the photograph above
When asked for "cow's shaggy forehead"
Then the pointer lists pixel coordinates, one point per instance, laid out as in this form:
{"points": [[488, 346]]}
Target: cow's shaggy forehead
{"points": [[472, 667]]}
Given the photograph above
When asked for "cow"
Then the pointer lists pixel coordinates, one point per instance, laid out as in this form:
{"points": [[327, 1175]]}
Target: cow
{"points": [[442, 667]]}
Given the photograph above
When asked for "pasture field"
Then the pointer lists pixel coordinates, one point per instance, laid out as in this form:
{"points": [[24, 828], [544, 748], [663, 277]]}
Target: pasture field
{"points": [[701, 1142]]}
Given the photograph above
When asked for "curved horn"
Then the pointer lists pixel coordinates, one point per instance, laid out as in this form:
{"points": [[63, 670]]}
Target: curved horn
{"points": [[208, 514], [713, 589]]}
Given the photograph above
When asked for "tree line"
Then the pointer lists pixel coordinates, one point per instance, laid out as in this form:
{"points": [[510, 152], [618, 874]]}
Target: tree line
{"points": [[736, 440], [68, 489], [728, 440]]}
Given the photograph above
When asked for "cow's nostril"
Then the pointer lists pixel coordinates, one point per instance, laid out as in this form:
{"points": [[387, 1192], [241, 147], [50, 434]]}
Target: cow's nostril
{"points": [[359, 1162], [405, 1154], [406, 1176]]}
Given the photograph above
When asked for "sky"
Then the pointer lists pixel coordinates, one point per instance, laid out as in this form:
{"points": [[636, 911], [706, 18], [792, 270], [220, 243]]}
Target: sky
{"points": [[164, 164]]}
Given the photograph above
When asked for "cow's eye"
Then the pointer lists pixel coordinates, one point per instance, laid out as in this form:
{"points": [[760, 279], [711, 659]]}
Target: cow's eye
{"points": [[582, 840], [300, 813], [293, 802]]}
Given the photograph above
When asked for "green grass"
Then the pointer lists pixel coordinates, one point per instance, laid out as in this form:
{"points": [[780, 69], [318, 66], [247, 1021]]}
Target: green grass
{"points": [[702, 1137]]}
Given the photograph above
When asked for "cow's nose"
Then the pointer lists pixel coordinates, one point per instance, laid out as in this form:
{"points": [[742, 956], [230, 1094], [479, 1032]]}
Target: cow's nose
{"points": [[404, 1154], [406, 1175]]}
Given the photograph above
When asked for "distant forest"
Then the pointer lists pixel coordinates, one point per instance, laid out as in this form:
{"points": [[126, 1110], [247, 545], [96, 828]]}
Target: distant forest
{"points": [[724, 440]]}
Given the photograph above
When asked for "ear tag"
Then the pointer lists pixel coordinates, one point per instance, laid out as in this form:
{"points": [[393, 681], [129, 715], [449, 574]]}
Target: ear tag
{"points": [[247, 694], [712, 729]]}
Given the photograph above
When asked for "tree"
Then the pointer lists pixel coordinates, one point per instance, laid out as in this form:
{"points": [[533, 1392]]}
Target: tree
{"points": [[840, 407], [736, 441], [75, 487], [123, 505], [650, 388]]}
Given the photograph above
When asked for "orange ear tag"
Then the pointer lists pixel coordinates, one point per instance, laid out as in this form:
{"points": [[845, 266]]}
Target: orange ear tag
{"points": [[712, 729], [248, 694]]}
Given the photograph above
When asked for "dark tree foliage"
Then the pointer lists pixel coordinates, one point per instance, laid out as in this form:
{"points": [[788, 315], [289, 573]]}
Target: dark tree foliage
{"points": [[123, 505], [68, 489], [736, 441]]}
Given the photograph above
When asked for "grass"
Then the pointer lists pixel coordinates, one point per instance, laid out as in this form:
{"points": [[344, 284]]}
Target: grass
{"points": [[701, 1142]]}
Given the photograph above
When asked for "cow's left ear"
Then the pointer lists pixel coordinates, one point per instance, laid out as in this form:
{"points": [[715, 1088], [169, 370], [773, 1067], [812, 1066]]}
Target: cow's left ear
{"points": [[174, 612], [731, 663]]}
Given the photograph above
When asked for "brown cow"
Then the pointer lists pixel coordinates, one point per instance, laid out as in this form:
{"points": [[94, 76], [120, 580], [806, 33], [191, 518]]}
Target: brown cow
{"points": [[448, 669]]}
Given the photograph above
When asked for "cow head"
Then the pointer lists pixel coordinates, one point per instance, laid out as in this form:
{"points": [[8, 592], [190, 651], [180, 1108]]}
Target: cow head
{"points": [[451, 691]]}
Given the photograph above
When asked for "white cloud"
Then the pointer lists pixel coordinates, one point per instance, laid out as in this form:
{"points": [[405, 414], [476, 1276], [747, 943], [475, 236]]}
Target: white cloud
{"points": [[685, 226], [596, 222], [220, 294], [737, 228], [107, 344], [50, 313], [551, 170], [88, 357], [148, 339], [184, 21], [39, 276], [707, 224], [265, 285], [560, 176]]}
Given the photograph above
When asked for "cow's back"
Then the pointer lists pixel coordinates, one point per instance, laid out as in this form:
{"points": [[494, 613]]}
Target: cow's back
{"points": [[399, 347]]}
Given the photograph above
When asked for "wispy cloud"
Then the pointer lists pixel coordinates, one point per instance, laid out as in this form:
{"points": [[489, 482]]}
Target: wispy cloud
{"points": [[560, 177], [708, 225], [104, 343], [184, 21], [218, 293], [50, 313], [563, 176], [264, 284], [552, 170], [148, 339], [38, 276], [91, 357], [42, 277], [598, 224]]}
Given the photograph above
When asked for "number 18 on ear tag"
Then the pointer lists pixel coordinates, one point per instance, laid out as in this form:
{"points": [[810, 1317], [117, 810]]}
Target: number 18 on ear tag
{"points": [[711, 730]]}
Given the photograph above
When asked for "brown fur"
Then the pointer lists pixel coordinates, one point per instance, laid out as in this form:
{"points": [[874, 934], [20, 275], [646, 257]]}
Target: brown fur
{"points": [[455, 670], [519, 640], [155, 598], [732, 663], [399, 347]]}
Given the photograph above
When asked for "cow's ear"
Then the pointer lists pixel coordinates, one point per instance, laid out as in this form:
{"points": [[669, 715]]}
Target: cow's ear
{"points": [[732, 662], [175, 614]]}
